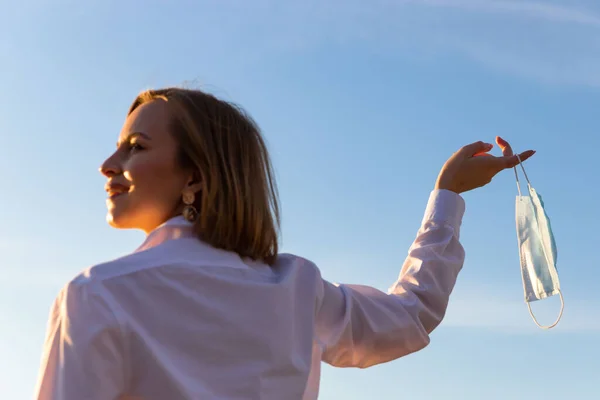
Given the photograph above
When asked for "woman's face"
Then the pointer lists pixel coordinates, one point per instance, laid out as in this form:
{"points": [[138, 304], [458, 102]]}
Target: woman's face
{"points": [[145, 183]]}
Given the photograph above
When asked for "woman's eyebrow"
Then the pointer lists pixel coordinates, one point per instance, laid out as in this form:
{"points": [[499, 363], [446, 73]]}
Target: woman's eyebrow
{"points": [[133, 135]]}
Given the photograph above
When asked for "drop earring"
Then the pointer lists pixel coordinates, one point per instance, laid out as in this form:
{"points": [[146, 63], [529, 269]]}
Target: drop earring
{"points": [[190, 213]]}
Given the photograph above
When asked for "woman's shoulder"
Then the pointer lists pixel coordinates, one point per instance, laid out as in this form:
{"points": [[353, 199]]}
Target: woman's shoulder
{"points": [[293, 261], [113, 268], [83, 297], [99, 274]]}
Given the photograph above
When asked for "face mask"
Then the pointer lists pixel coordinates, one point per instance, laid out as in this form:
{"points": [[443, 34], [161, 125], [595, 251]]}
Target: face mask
{"points": [[537, 249]]}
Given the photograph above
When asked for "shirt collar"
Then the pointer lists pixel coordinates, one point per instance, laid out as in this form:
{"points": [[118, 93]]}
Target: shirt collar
{"points": [[175, 228]]}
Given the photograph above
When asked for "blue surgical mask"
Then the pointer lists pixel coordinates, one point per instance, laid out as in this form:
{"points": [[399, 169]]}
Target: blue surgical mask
{"points": [[537, 249]]}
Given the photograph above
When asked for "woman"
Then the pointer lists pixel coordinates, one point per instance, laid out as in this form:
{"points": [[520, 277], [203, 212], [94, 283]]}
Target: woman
{"points": [[206, 308]]}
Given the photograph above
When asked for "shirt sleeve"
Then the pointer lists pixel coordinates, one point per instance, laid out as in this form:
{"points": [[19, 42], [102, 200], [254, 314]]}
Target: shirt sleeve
{"points": [[359, 326], [83, 350]]}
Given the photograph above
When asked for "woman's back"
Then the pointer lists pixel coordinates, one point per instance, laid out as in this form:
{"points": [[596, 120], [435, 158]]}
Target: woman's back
{"points": [[179, 319]]}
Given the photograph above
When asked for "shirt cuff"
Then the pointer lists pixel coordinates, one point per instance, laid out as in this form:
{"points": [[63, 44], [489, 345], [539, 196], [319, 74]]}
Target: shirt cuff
{"points": [[446, 207]]}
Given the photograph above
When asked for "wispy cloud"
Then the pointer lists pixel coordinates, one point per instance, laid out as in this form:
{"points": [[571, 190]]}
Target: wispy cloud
{"points": [[548, 42], [553, 42], [538, 10], [488, 309]]}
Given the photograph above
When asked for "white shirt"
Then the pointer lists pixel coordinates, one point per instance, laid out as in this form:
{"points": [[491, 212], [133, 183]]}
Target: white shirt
{"points": [[179, 319]]}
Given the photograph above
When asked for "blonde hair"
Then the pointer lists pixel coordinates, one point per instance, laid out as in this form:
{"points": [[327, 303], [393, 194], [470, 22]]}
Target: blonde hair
{"points": [[238, 203]]}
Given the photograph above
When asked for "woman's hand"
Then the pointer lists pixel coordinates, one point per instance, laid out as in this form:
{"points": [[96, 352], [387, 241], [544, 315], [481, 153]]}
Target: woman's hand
{"points": [[472, 166]]}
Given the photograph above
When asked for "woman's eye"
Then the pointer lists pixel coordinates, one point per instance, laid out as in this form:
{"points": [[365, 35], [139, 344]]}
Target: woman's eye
{"points": [[135, 147]]}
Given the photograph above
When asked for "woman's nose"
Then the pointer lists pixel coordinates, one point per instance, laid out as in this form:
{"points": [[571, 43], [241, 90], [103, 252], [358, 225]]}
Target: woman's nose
{"points": [[110, 167]]}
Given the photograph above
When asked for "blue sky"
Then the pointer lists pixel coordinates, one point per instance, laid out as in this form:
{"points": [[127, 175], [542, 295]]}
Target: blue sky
{"points": [[361, 104]]}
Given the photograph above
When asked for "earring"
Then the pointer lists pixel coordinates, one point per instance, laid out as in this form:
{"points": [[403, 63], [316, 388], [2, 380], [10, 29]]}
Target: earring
{"points": [[190, 212]]}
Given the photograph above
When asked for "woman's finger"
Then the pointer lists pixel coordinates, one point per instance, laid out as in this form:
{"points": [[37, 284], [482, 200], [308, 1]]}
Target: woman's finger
{"points": [[526, 154], [474, 148], [505, 146], [513, 161]]}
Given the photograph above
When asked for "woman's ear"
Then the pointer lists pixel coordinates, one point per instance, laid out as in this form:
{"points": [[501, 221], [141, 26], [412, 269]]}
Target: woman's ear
{"points": [[194, 184]]}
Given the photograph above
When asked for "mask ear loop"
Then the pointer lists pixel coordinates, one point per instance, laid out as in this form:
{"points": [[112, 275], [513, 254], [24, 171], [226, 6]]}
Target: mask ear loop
{"points": [[517, 175], [562, 302], [562, 307]]}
